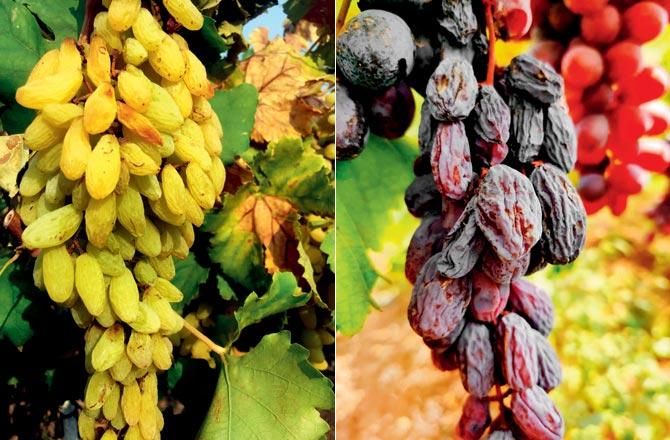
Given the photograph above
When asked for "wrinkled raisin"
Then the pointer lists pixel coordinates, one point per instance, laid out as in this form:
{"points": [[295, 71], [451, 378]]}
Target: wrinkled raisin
{"points": [[537, 261], [351, 128], [488, 297], [491, 116], [536, 415], [534, 80], [532, 303], [474, 420], [502, 271], [549, 366], [508, 212], [424, 244], [500, 435], [459, 20], [563, 215], [450, 160], [445, 360], [476, 359], [486, 154], [527, 129], [422, 196], [462, 246], [427, 128], [519, 352], [452, 89], [560, 140], [438, 306]]}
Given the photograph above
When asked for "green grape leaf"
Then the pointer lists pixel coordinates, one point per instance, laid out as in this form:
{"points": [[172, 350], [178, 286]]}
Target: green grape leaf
{"points": [[175, 373], [13, 302], [13, 156], [364, 208], [303, 258], [189, 276], [272, 392], [15, 118], [236, 109], [328, 248], [283, 294], [22, 41], [235, 245], [292, 169], [224, 288]]}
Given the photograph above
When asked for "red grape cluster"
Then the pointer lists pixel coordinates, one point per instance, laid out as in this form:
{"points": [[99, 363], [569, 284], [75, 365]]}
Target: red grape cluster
{"points": [[611, 93]]}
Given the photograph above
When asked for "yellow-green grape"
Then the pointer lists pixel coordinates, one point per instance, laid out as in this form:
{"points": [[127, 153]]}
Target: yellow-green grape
{"points": [[80, 315], [111, 404], [109, 434], [164, 268], [139, 349], [90, 284], [167, 290], [126, 244], [109, 349], [147, 415], [149, 243], [86, 427], [91, 337], [147, 320], [122, 14], [133, 52], [130, 403], [308, 317], [119, 422], [121, 368], [161, 352], [327, 338], [52, 229], [111, 263], [124, 296], [99, 387], [144, 272], [100, 219], [58, 273]]}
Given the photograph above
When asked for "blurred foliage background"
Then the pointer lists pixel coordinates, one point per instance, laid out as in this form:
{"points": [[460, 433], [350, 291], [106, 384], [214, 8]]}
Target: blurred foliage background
{"points": [[612, 305]]}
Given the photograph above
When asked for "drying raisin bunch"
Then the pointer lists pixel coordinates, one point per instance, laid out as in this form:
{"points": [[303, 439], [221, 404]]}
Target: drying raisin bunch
{"points": [[612, 95], [495, 204]]}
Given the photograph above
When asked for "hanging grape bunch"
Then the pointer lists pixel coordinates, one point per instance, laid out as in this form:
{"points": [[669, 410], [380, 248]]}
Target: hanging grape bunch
{"points": [[126, 163], [611, 93], [494, 201]]}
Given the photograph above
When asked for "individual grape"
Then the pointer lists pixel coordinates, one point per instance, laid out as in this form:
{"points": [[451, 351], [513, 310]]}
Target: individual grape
{"points": [[452, 89], [533, 303], [458, 20], [534, 80], [560, 18], [426, 59], [53, 228], [592, 186], [462, 246], [549, 366], [488, 297], [450, 160], [601, 27], [624, 60], [516, 16], [424, 243], [560, 142], [596, 99], [518, 348], [508, 212], [584, 7], [445, 360], [563, 215], [474, 420], [476, 359], [438, 306], [422, 196], [390, 112], [491, 116], [350, 126], [582, 66], [644, 21], [592, 134], [527, 129], [649, 84], [536, 415], [375, 50]]}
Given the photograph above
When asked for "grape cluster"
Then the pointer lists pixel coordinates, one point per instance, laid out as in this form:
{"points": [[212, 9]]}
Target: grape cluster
{"points": [[610, 92], [126, 163], [492, 194]]}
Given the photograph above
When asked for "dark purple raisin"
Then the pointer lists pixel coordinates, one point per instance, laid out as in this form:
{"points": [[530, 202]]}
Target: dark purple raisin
{"points": [[438, 306], [549, 366], [351, 129], [445, 360], [491, 116], [426, 59], [486, 154], [462, 246], [533, 304], [503, 271], [527, 129], [475, 418], [519, 351], [537, 261], [563, 215], [534, 80], [536, 416], [422, 196], [425, 242], [452, 89], [458, 20], [450, 160], [476, 359], [560, 140], [488, 298], [508, 212]]}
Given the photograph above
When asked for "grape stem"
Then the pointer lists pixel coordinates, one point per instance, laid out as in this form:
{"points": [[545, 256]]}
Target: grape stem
{"points": [[342, 16], [490, 27], [208, 342], [92, 9]]}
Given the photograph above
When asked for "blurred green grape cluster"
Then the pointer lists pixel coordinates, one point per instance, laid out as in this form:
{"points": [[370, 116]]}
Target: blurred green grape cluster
{"points": [[613, 333]]}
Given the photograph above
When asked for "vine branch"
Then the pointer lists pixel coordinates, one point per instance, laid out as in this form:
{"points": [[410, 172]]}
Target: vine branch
{"points": [[211, 344], [491, 30], [342, 16]]}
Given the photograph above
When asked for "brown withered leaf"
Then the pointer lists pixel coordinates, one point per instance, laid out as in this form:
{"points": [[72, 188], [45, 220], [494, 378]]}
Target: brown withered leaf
{"points": [[272, 220], [280, 73], [13, 156]]}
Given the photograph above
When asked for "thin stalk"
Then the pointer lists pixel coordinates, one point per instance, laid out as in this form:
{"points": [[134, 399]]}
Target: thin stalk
{"points": [[342, 16], [490, 27], [211, 344]]}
